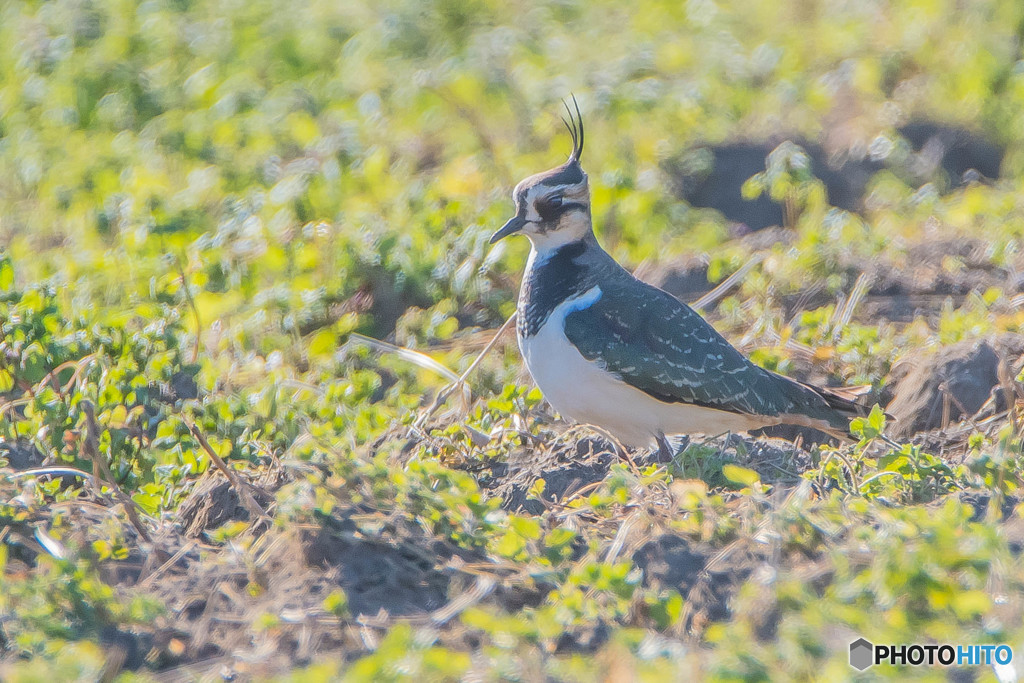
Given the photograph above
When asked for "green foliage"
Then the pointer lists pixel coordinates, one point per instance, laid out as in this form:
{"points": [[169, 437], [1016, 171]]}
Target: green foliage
{"points": [[788, 180], [402, 655], [66, 601], [870, 427], [202, 207]]}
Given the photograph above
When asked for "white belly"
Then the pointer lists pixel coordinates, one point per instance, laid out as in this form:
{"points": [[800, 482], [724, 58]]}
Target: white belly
{"points": [[581, 390]]}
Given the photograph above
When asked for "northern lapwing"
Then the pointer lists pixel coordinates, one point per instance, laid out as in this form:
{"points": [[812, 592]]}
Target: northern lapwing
{"points": [[610, 350]]}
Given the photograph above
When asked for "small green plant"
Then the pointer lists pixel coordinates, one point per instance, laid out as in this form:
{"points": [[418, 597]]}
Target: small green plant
{"points": [[788, 179]]}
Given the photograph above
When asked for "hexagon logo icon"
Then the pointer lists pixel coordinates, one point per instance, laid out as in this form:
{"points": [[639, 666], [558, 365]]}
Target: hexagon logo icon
{"points": [[861, 654]]}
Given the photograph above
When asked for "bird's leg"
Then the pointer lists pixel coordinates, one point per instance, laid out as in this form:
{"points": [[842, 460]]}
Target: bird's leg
{"points": [[665, 453]]}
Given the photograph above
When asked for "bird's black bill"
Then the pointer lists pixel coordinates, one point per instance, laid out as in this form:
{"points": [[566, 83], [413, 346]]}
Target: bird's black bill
{"points": [[515, 224]]}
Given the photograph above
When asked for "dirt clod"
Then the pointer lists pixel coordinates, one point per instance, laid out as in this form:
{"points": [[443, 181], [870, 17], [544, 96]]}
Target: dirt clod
{"points": [[214, 502], [400, 579], [565, 469], [953, 383], [705, 578]]}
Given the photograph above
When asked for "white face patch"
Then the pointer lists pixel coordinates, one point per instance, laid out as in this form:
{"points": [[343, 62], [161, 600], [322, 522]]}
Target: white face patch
{"points": [[532, 195], [572, 226]]}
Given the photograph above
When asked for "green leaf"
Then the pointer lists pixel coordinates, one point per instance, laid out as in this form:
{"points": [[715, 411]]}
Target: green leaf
{"points": [[148, 502], [559, 537], [870, 427], [336, 603], [227, 531], [665, 611], [6, 273], [510, 545], [103, 549], [753, 187], [877, 419], [527, 527], [323, 343], [970, 604], [740, 475]]}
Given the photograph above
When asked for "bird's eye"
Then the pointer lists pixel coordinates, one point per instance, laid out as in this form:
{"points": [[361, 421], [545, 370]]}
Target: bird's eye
{"points": [[548, 206]]}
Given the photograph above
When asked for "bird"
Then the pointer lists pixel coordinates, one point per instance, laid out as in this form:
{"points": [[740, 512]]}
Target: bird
{"points": [[610, 350]]}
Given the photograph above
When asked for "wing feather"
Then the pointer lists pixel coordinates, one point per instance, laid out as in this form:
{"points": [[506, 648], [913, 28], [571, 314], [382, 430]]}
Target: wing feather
{"points": [[661, 346]]}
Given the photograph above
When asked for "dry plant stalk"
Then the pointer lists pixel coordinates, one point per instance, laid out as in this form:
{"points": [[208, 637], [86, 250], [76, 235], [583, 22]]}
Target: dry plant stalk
{"points": [[195, 310], [947, 397], [1011, 392], [241, 487], [101, 471], [446, 393], [728, 283]]}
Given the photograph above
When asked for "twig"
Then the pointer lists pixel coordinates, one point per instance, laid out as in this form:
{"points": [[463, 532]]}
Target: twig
{"points": [[446, 393], [620, 450], [241, 487], [51, 377], [48, 471], [620, 538], [885, 439], [483, 587], [965, 414], [581, 491], [1008, 385], [728, 283], [10, 405], [182, 551], [410, 355], [860, 289], [80, 365], [834, 453], [878, 475], [195, 309], [91, 446]]}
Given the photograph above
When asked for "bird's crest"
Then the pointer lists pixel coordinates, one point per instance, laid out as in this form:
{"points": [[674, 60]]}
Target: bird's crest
{"points": [[575, 126]]}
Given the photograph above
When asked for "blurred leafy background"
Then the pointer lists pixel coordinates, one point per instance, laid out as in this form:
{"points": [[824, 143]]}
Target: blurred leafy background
{"points": [[201, 203]]}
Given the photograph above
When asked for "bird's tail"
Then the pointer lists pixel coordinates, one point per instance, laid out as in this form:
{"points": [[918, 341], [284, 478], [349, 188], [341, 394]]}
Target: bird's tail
{"points": [[830, 409], [845, 400]]}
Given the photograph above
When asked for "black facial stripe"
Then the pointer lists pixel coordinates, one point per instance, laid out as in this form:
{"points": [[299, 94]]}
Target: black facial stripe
{"points": [[549, 215], [571, 206], [548, 285]]}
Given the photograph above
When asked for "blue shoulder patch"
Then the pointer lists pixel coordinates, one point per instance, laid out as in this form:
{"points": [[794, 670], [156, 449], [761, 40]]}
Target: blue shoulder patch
{"points": [[584, 300]]}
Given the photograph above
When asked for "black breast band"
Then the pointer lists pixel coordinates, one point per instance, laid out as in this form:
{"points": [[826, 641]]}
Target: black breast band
{"points": [[548, 284]]}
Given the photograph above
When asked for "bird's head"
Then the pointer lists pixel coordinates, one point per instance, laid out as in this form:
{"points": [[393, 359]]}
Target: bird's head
{"points": [[553, 207]]}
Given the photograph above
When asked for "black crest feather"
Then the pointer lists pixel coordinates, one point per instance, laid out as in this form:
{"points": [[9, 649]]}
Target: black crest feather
{"points": [[575, 126]]}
